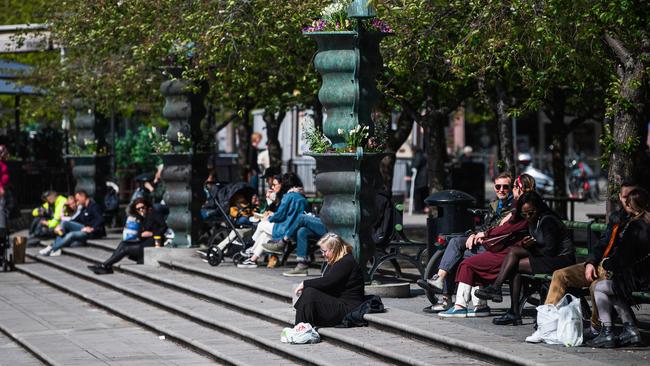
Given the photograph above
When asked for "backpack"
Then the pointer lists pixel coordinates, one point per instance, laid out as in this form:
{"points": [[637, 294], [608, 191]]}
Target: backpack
{"points": [[111, 202]]}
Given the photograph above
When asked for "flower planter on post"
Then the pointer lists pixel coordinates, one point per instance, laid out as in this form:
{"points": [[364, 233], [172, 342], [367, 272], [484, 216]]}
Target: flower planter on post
{"points": [[184, 171], [348, 62], [90, 167]]}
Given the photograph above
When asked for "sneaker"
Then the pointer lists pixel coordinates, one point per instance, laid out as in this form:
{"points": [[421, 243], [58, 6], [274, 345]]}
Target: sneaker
{"points": [[436, 282], [301, 270], [535, 337], [453, 313], [55, 253], [444, 305], [479, 312], [247, 263], [276, 247], [46, 250], [489, 293]]}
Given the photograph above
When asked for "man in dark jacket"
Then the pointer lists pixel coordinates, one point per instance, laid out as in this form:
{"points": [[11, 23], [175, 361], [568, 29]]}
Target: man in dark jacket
{"points": [[586, 273], [87, 225], [152, 230]]}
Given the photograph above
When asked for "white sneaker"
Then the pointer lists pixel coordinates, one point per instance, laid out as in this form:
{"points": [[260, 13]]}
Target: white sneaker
{"points": [[535, 337], [46, 250], [443, 305], [55, 253], [436, 282], [247, 263]]}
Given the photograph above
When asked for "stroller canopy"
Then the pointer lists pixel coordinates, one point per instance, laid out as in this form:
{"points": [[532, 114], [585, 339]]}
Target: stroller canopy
{"points": [[225, 193]]}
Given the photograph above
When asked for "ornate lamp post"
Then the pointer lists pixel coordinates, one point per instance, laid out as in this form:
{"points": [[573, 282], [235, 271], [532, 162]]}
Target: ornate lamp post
{"points": [[184, 170], [348, 62]]}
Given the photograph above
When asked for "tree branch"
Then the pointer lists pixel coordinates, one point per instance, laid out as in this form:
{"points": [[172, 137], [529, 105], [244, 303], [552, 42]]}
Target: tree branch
{"points": [[620, 51]]}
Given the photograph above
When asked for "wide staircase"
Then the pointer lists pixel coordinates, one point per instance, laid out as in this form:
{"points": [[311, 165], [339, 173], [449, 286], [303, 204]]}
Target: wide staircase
{"points": [[55, 311]]}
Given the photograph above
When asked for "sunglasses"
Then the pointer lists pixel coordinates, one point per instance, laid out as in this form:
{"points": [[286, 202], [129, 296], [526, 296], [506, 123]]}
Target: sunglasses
{"points": [[141, 208], [505, 187]]}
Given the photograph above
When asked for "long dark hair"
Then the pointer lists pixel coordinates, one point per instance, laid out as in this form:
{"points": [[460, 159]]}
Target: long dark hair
{"points": [[134, 204], [290, 180], [639, 201]]}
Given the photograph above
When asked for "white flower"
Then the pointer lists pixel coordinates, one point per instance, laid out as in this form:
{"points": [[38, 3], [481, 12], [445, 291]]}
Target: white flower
{"points": [[340, 131]]}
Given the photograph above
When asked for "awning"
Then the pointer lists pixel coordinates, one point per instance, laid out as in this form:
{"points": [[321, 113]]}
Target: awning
{"points": [[11, 88]]}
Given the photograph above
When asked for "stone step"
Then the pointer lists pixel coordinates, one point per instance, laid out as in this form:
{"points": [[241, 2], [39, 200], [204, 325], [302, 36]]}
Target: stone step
{"points": [[13, 353], [381, 343], [62, 330], [400, 322], [223, 348], [259, 332]]}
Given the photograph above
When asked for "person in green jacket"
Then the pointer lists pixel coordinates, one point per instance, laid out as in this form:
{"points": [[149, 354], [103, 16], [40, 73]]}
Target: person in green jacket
{"points": [[47, 216]]}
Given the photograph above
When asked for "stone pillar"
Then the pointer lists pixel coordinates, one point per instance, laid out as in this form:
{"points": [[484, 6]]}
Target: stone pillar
{"points": [[184, 171], [90, 170]]}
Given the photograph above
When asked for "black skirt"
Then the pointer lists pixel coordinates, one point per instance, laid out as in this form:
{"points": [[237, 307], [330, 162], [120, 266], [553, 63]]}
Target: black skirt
{"points": [[320, 309]]}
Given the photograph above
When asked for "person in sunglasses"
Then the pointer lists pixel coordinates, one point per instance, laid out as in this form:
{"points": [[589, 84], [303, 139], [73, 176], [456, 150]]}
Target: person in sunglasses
{"points": [[153, 226], [464, 246], [325, 301]]}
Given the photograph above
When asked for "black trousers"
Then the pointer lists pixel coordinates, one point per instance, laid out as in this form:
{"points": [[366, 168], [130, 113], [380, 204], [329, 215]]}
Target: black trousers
{"points": [[133, 249], [320, 309]]}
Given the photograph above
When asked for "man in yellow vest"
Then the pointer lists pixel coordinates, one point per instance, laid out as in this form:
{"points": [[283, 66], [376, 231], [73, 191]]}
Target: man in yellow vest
{"points": [[48, 215]]}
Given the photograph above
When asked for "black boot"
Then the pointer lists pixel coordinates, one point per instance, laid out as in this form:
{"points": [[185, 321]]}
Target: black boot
{"points": [[606, 338], [509, 318], [489, 293], [589, 334], [630, 337]]}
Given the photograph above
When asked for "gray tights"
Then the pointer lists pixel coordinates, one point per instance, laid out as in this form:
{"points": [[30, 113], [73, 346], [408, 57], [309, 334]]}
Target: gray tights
{"points": [[606, 300]]}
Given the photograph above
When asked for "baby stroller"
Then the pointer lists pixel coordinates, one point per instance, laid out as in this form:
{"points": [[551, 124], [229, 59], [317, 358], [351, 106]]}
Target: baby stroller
{"points": [[225, 233]]}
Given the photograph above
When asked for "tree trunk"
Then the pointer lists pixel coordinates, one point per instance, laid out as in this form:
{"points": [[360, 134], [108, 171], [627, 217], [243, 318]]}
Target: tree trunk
{"points": [[627, 154], [395, 140], [436, 149], [273, 124], [244, 131], [504, 128]]}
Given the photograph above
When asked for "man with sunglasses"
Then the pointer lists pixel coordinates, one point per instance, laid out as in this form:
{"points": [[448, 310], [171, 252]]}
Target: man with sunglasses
{"points": [[153, 225], [464, 246]]}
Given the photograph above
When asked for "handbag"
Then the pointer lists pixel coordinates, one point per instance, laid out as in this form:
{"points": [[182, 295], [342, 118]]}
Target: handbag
{"points": [[498, 243]]}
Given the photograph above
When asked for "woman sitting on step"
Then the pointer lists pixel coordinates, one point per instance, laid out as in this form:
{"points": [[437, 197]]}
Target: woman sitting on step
{"points": [[152, 228], [326, 300]]}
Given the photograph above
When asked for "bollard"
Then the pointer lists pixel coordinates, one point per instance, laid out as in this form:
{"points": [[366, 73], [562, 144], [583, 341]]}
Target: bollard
{"points": [[20, 245]]}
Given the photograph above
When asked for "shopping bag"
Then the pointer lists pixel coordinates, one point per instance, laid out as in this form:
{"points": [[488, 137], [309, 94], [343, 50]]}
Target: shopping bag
{"points": [[569, 324], [302, 333], [547, 319]]}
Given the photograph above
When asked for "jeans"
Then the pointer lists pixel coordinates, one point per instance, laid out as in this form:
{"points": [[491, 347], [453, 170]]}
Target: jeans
{"points": [[455, 251], [72, 234], [608, 301], [309, 228]]}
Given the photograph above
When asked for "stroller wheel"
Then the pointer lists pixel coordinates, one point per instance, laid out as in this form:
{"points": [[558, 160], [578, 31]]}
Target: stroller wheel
{"points": [[215, 256]]}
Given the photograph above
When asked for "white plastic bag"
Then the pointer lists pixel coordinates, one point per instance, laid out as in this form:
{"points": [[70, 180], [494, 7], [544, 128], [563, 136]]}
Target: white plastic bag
{"points": [[547, 317], [569, 324], [560, 323], [302, 333]]}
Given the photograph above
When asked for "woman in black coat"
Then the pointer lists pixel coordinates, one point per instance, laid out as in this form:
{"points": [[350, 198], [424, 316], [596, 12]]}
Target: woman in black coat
{"points": [[627, 270], [326, 300], [153, 228], [548, 248]]}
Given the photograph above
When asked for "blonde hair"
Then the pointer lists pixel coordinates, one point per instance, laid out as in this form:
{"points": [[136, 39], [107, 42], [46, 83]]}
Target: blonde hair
{"points": [[338, 247]]}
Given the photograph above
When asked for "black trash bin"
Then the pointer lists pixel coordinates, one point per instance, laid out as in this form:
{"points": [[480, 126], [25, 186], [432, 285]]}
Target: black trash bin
{"points": [[452, 215]]}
